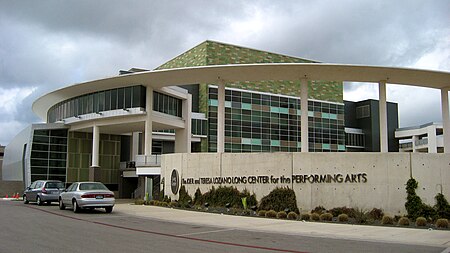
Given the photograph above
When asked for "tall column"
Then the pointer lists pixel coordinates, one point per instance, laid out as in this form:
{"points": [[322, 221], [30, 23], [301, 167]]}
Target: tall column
{"points": [[383, 117], [148, 121], [134, 145], [183, 135], [304, 116], [414, 139], [94, 169], [221, 117], [432, 142], [445, 120]]}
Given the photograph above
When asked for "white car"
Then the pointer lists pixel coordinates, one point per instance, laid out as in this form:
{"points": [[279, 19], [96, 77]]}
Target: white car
{"points": [[90, 195]]}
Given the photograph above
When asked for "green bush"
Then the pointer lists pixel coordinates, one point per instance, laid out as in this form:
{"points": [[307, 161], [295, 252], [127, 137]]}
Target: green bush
{"points": [[414, 205], [315, 217], [376, 214], [281, 215], [442, 206], [326, 217], [271, 214], [198, 197], [387, 220], [441, 223], [251, 198], [152, 202], [184, 200], [319, 210], [174, 204], [292, 216], [421, 221], [279, 199], [223, 195], [305, 216], [262, 213], [404, 221], [342, 217], [139, 202], [350, 212], [361, 216]]}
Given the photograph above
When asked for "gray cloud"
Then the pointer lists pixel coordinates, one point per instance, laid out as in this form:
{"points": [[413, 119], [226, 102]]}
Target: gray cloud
{"points": [[52, 44]]}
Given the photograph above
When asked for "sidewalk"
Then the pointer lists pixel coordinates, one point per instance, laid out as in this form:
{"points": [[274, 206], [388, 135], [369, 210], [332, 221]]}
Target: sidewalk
{"points": [[314, 229]]}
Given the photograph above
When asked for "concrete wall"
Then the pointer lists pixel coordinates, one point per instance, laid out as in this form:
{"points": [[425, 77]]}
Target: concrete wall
{"points": [[362, 180]]}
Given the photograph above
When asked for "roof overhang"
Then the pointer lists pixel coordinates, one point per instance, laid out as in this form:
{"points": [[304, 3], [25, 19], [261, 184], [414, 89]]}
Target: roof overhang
{"points": [[249, 72]]}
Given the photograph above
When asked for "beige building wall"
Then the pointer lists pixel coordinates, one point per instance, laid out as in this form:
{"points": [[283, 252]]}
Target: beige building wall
{"points": [[368, 179]]}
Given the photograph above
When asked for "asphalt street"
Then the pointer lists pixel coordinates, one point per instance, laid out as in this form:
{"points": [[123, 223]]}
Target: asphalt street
{"points": [[32, 228]]}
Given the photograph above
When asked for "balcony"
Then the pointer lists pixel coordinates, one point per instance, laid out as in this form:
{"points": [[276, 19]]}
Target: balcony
{"points": [[148, 161]]}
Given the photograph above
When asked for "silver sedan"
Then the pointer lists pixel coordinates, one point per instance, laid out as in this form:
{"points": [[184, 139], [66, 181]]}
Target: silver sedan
{"points": [[89, 195]]}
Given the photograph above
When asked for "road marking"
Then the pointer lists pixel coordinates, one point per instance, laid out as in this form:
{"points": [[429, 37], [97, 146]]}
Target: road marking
{"points": [[207, 232], [168, 235]]}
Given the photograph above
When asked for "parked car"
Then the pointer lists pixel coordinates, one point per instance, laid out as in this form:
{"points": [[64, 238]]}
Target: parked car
{"points": [[43, 191], [80, 195]]}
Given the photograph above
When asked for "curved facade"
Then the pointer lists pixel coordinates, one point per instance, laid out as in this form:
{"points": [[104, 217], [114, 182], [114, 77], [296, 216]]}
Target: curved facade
{"points": [[213, 98]]}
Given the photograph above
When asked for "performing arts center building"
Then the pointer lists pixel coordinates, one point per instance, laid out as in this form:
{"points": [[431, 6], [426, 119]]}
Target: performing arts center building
{"points": [[221, 114]]}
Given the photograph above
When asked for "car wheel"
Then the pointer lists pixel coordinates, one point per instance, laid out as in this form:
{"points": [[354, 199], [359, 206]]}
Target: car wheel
{"points": [[108, 209], [38, 201], [25, 200], [76, 208], [61, 205]]}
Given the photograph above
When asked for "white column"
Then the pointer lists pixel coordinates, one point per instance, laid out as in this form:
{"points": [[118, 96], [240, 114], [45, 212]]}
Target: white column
{"points": [[304, 116], [148, 122], [432, 142], [134, 145], [221, 117], [414, 139], [383, 117], [183, 135], [95, 146], [445, 120]]}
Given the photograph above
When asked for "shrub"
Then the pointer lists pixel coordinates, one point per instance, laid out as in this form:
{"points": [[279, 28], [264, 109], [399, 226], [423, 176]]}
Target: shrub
{"points": [[361, 216], [342, 217], [326, 217], [414, 205], [404, 221], [223, 195], [281, 215], [271, 214], [292, 216], [164, 204], [421, 222], [262, 213], [139, 202], [184, 199], [318, 209], [345, 210], [305, 216], [376, 214], [152, 202], [198, 197], [442, 206], [251, 198], [387, 220], [279, 199], [441, 223], [174, 204], [315, 217]]}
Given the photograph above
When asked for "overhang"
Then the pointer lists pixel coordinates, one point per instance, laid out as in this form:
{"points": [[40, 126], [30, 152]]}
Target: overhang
{"points": [[249, 72]]}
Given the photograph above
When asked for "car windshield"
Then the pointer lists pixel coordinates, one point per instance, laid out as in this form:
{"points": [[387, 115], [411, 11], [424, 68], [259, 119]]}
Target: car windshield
{"points": [[92, 186], [54, 185]]}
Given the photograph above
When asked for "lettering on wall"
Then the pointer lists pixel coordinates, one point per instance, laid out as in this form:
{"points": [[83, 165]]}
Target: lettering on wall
{"points": [[264, 179]]}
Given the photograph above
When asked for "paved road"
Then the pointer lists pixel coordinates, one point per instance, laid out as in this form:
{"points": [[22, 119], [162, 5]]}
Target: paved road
{"points": [[31, 228]]}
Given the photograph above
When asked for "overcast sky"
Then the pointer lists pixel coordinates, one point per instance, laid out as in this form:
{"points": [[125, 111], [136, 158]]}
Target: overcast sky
{"points": [[51, 44]]}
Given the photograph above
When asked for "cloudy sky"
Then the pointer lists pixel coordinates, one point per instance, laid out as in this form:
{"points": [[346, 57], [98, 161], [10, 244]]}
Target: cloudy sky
{"points": [[50, 44]]}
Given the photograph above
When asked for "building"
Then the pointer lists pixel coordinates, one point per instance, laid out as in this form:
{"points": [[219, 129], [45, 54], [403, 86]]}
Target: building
{"points": [[426, 138], [215, 97]]}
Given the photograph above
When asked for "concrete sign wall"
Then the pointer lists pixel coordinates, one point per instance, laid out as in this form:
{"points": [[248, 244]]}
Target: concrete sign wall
{"points": [[359, 180]]}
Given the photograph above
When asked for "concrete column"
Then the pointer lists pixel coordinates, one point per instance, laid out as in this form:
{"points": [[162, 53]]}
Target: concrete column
{"points": [[304, 116], [432, 142], [94, 169], [183, 135], [445, 120], [383, 117], [148, 122], [221, 117], [134, 145], [414, 139]]}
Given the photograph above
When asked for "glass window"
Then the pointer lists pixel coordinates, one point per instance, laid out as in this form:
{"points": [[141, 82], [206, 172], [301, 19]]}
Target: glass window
{"points": [[120, 98], [114, 94], [128, 97]]}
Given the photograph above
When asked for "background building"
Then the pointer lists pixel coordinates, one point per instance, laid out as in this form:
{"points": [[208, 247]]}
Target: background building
{"points": [[427, 138]]}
